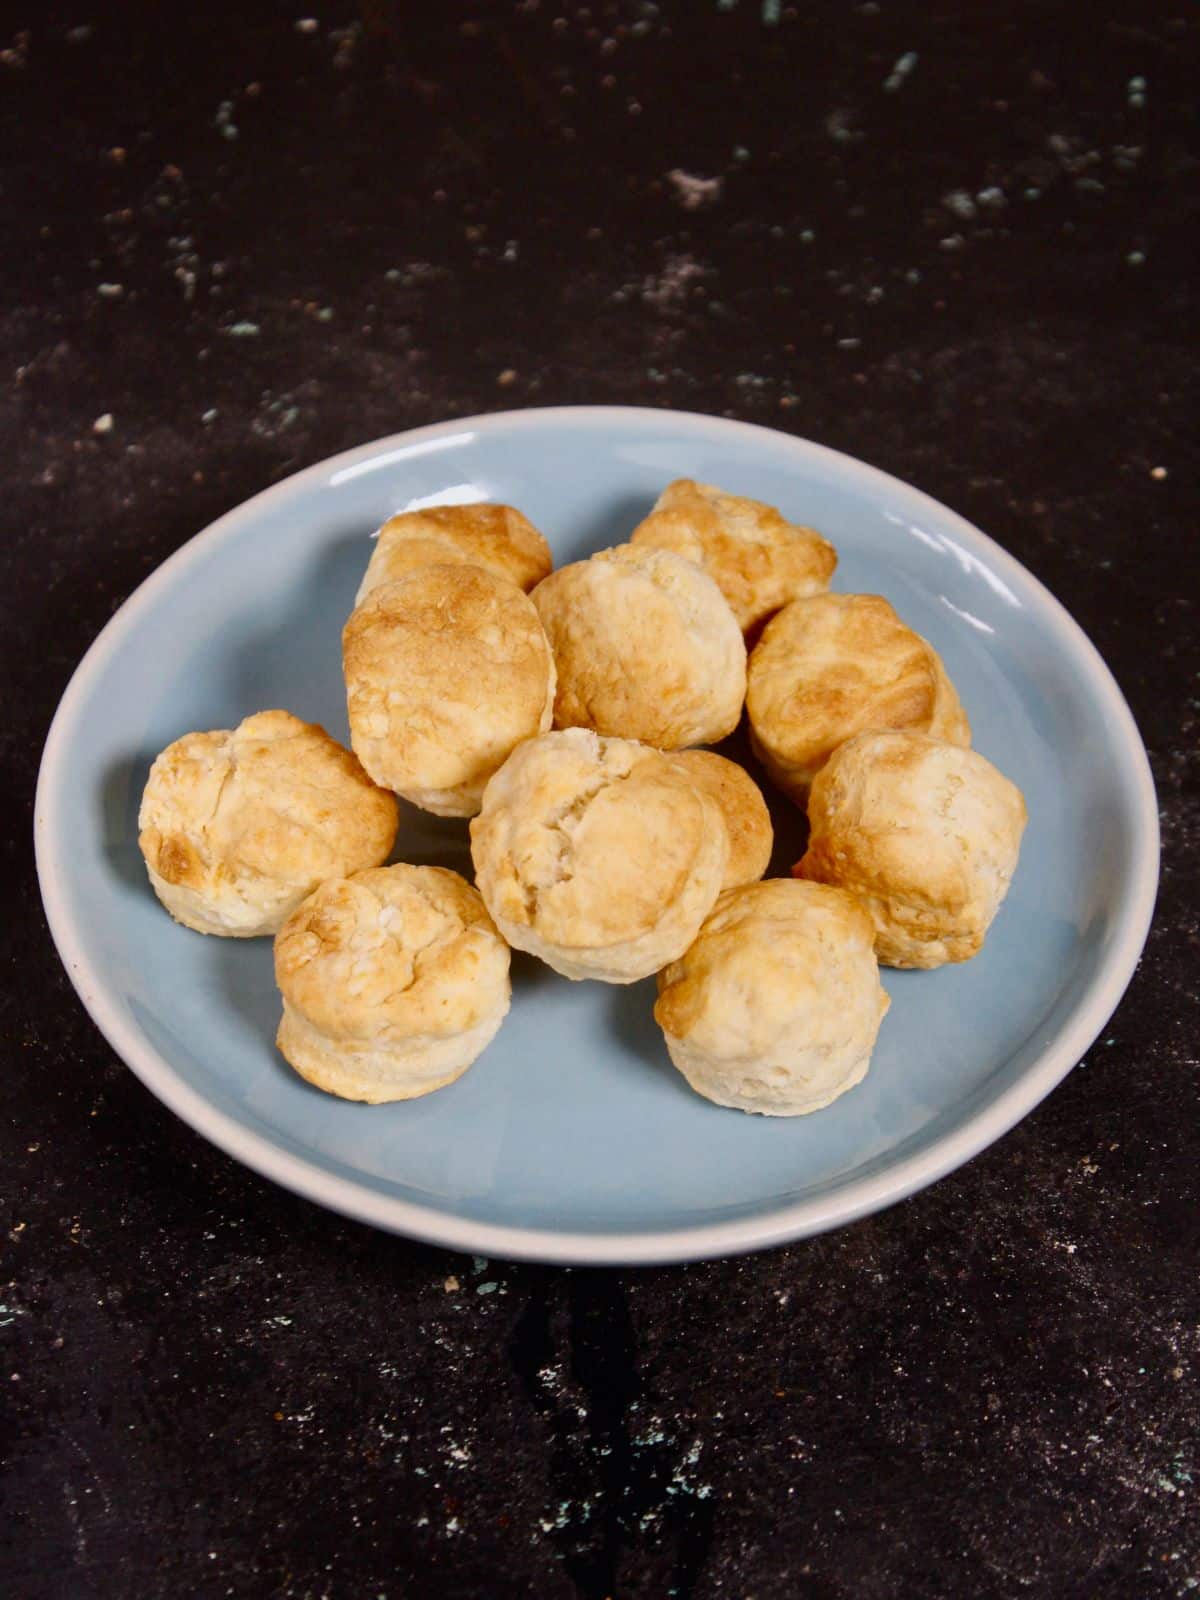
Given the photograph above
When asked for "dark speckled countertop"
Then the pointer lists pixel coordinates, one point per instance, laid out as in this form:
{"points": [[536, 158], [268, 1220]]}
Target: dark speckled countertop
{"points": [[958, 240]]}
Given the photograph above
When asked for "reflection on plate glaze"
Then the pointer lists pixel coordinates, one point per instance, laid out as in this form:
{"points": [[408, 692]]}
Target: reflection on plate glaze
{"points": [[393, 458]]}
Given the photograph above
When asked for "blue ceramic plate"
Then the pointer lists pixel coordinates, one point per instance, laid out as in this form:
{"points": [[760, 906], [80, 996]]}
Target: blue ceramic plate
{"points": [[573, 1138]]}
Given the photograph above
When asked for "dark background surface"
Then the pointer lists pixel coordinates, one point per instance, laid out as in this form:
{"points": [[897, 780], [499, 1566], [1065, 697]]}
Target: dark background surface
{"points": [[958, 240]]}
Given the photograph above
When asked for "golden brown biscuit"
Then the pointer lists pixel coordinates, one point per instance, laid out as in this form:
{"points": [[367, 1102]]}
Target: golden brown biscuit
{"points": [[776, 1006], [592, 855], [497, 538], [393, 982], [237, 828], [836, 665], [646, 648], [747, 820], [925, 833], [760, 560], [446, 671]]}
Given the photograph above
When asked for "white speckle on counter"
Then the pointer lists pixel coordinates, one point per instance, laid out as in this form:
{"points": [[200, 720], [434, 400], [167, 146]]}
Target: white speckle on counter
{"points": [[903, 69], [104, 423], [959, 202], [693, 191]]}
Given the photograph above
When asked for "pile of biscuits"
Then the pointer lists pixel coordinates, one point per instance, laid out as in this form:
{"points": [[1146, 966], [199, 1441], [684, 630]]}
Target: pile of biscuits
{"points": [[561, 711]]}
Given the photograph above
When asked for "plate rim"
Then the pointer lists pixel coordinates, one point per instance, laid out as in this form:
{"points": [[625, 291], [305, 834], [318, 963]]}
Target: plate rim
{"points": [[845, 1203]]}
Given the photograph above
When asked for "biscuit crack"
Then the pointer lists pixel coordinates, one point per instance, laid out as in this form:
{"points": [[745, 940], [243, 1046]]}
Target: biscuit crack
{"points": [[564, 824], [209, 827]]}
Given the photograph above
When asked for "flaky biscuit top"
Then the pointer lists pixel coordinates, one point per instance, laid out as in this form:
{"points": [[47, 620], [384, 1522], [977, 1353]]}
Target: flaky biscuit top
{"points": [[764, 956], [273, 799], [446, 670], [836, 665], [589, 841], [498, 538], [758, 558], [747, 820], [646, 648], [399, 951]]}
